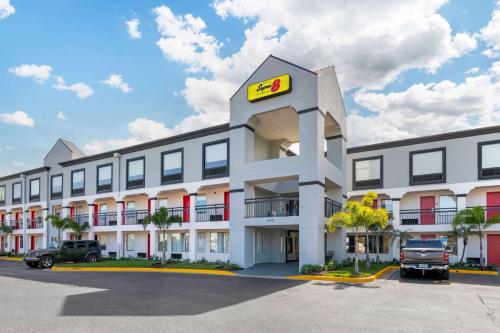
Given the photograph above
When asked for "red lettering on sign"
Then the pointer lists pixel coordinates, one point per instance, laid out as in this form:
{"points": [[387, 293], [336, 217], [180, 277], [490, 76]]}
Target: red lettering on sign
{"points": [[276, 85]]}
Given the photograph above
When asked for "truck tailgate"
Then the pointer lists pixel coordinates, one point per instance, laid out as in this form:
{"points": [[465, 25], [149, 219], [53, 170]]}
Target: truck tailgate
{"points": [[424, 255]]}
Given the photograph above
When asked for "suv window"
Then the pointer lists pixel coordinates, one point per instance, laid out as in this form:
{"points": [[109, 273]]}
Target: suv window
{"points": [[93, 245], [80, 245], [68, 245]]}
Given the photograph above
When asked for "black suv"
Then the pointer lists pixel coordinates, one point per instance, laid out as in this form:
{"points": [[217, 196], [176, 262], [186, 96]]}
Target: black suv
{"points": [[62, 251]]}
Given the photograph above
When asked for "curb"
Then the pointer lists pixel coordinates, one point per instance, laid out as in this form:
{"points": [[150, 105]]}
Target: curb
{"points": [[11, 259], [143, 269], [370, 278], [470, 271]]}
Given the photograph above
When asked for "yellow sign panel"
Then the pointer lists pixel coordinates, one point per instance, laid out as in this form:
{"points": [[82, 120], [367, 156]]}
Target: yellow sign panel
{"points": [[273, 87]]}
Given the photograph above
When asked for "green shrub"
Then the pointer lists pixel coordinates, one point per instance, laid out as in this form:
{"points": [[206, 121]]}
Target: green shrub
{"points": [[309, 268], [229, 266]]}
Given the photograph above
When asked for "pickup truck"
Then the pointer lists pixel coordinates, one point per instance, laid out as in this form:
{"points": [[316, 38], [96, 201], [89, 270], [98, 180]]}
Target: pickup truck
{"points": [[424, 255]]}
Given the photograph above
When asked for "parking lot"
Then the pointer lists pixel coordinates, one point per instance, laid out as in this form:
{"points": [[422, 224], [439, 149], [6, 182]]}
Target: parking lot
{"points": [[35, 300]]}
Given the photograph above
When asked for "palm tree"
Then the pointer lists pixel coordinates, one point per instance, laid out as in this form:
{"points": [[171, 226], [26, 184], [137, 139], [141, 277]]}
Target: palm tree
{"points": [[359, 216], [476, 218], [6, 230], [77, 228], [462, 230], [401, 235], [59, 223], [162, 220]]}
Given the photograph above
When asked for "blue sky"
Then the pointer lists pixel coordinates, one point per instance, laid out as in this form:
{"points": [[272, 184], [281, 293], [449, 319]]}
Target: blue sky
{"points": [[175, 85]]}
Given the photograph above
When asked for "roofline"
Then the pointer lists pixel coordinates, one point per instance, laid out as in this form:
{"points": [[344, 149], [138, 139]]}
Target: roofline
{"points": [[152, 144], [27, 173], [426, 139], [255, 71]]}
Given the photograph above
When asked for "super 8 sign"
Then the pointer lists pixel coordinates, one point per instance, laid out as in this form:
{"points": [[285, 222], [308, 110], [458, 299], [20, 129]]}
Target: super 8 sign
{"points": [[272, 87]]}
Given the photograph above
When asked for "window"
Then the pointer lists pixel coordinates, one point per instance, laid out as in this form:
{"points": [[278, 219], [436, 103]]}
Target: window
{"points": [[78, 182], [2, 195], [180, 242], [383, 244], [215, 159], [447, 202], [172, 167], [130, 242], [130, 206], [135, 172], [21, 242], [387, 204], [201, 242], [102, 242], [259, 242], [428, 166], [56, 186], [105, 178], [80, 245], [489, 159], [367, 172], [201, 200], [35, 189], [219, 242], [16, 193], [162, 241], [68, 245], [163, 203]]}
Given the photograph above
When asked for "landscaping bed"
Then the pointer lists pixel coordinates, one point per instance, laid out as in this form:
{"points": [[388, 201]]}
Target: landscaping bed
{"points": [[473, 267], [138, 263], [345, 269]]}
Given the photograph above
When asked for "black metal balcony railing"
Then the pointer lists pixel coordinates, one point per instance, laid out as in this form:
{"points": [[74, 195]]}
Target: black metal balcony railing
{"points": [[106, 219], [491, 211], [270, 207], [332, 207], [212, 213], [81, 219], [427, 216], [131, 217], [182, 212], [36, 223], [16, 224]]}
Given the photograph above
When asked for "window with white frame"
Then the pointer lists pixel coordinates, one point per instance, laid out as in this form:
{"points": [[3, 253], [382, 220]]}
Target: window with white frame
{"points": [[16, 193], [489, 159], [162, 241], [35, 189], [367, 172], [428, 166], [215, 159], [102, 241], [201, 248], [130, 242], [180, 242], [172, 170], [104, 178], [135, 172], [163, 203]]}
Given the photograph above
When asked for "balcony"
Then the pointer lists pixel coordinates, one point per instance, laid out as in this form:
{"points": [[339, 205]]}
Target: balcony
{"points": [[427, 216], [82, 219], [106, 219], [132, 217], [16, 224], [36, 223], [332, 207], [272, 207], [212, 213], [182, 212]]}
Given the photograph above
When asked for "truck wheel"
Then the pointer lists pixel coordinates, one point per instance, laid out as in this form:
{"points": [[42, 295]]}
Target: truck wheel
{"points": [[92, 258], [403, 273], [445, 275], [46, 262]]}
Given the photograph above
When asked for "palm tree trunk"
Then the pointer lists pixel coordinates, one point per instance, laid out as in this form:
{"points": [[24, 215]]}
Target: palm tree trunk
{"points": [[356, 261], [164, 257], [367, 249], [377, 245], [465, 241], [481, 258]]}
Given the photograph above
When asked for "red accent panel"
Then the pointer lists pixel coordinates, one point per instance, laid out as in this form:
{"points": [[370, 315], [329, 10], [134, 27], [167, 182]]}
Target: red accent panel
{"points": [[493, 250], [123, 212], [96, 214], [33, 216], [16, 245], [226, 206], [149, 246], [427, 214], [72, 211], [149, 206], [17, 222], [186, 204], [493, 200], [429, 236], [2, 217], [33, 243]]}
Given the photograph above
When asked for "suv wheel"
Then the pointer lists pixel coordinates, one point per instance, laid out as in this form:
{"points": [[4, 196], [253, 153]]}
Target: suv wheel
{"points": [[92, 258], [46, 262]]}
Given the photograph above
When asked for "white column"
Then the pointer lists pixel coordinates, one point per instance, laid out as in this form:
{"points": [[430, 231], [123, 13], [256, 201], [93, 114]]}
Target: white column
{"points": [[26, 243], [119, 244], [120, 206], [192, 226], [64, 214], [45, 238], [396, 222], [311, 226], [91, 221], [152, 229], [10, 246], [461, 201]]}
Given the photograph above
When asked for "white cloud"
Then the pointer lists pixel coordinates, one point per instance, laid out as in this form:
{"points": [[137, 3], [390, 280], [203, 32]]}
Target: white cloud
{"points": [[6, 9], [38, 73], [81, 90], [425, 109], [133, 29], [473, 70], [370, 43], [116, 81], [17, 118], [61, 115], [491, 34]]}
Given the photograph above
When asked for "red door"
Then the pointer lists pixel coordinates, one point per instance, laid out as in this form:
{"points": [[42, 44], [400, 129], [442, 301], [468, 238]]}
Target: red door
{"points": [[493, 204], [494, 250], [17, 220], [149, 246], [427, 214], [428, 236], [16, 244], [96, 213], [33, 219], [72, 211], [226, 206], [149, 206], [33, 243], [186, 204]]}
